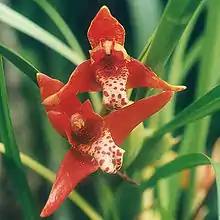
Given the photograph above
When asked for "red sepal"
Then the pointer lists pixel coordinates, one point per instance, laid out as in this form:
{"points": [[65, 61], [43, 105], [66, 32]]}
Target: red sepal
{"points": [[48, 85], [61, 123], [83, 78], [105, 27], [123, 121], [73, 169], [142, 76], [64, 100]]}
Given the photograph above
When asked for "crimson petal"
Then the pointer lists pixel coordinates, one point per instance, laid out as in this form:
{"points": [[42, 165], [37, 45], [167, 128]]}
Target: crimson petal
{"points": [[73, 169], [48, 85], [105, 27], [123, 121], [142, 76], [61, 124], [83, 79]]}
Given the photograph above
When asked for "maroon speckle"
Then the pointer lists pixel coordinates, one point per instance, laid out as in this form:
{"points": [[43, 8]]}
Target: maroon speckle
{"points": [[123, 102], [105, 94], [101, 162], [118, 153]]}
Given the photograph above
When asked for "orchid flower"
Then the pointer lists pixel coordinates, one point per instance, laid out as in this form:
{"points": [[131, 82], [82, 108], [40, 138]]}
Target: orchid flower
{"points": [[110, 69], [94, 140]]}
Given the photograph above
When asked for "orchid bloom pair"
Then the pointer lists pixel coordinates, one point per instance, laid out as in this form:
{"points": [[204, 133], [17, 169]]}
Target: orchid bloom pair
{"points": [[95, 140]]}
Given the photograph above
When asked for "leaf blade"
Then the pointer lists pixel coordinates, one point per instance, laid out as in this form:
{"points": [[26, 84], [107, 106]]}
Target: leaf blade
{"points": [[22, 64], [26, 26], [181, 163], [61, 25], [12, 158]]}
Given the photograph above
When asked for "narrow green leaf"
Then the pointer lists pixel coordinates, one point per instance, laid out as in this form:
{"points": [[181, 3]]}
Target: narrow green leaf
{"points": [[133, 144], [177, 62], [192, 56], [61, 25], [142, 27], [179, 164], [182, 163], [12, 158], [175, 18], [204, 106], [176, 76], [22, 64], [106, 199], [50, 176], [26, 26], [210, 64]]}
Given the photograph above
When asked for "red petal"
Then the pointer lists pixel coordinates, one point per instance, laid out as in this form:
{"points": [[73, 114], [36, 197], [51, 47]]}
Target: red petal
{"points": [[48, 85], [63, 101], [61, 124], [82, 79], [123, 121], [105, 27], [142, 76], [73, 169]]}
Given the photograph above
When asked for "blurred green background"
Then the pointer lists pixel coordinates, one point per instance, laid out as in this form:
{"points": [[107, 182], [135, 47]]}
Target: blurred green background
{"points": [[35, 135]]}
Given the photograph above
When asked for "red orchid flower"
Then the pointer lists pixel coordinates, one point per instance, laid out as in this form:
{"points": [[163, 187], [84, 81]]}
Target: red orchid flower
{"points": [[94, 140], [110, 68]]}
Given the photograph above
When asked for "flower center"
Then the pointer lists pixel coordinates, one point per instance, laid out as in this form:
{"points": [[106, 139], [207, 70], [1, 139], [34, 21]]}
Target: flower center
{"points": [[85, 131]]}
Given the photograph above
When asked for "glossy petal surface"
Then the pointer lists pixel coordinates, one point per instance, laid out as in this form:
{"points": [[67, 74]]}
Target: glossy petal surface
{"points": [[105, 27], [48, 85], [122, 122], [64, 100], [83, 79], [73, 169], [61, 123], [142, 76]]}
